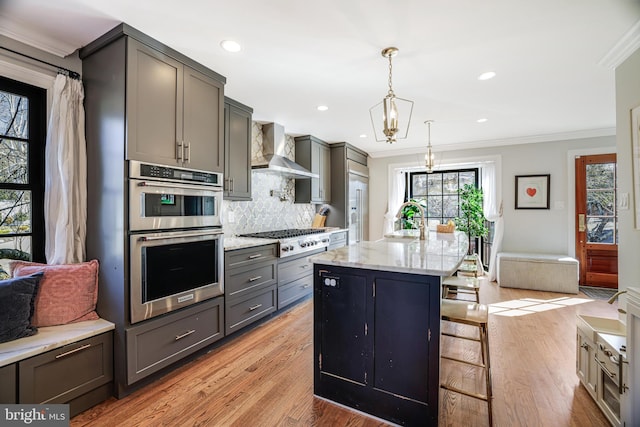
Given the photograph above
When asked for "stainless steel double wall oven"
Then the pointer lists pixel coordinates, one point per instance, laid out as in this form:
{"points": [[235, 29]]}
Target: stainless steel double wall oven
{"points": [[176, 250]]}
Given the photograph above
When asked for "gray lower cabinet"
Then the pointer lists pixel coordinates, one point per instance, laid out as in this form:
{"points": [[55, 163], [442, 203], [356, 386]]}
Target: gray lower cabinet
{"points": [[237, 150], [313, 154], [8, 385], [79, 374], [155, 344], [250, 285], [295, 278]]}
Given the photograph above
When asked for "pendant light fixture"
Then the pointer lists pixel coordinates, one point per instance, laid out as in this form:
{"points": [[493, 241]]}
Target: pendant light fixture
{"points": [[395, 112], [429, 158]]}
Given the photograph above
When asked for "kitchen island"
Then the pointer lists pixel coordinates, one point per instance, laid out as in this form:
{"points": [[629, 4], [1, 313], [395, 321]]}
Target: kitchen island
{"points": [[377, 325]]}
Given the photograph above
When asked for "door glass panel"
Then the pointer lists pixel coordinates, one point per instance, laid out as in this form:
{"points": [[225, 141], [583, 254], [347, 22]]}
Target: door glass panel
{"points": [[419, 185], [450, 183], [434, 206], [602, 217], [450, 206]]}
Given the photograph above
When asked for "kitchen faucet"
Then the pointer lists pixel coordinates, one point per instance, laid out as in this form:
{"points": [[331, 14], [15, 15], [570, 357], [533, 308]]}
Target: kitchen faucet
{"points": [[420, 208], [614, 297]]}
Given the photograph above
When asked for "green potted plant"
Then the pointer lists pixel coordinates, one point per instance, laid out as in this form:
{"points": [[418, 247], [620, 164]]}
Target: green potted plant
{"points": [[471, 219], [411, 215]]}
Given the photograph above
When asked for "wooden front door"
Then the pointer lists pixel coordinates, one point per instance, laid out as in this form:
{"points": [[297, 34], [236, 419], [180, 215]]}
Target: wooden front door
{"points": [[597, 220]]}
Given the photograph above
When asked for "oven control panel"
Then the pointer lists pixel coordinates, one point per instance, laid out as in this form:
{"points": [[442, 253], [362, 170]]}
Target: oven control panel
{"points": [[166, 173]]}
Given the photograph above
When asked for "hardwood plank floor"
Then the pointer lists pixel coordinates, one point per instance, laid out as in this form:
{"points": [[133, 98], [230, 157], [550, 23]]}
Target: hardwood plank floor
{"points": [[265, 378]]}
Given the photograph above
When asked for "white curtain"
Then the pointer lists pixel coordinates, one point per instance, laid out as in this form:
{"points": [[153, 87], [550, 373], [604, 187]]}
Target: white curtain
{"points": [[65, 197], [396, 198], [492, 206]]}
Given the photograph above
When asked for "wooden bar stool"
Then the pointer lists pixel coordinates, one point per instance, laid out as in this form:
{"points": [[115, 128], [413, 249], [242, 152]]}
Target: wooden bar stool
{"points": [[469, 313], [461, 285]]}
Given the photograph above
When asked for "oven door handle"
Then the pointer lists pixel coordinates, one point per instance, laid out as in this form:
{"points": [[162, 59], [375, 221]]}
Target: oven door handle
{"points": [[178, 236], [604, 368], [204, 187]]}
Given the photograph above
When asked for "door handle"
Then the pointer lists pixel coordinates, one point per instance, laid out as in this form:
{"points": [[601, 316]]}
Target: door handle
{"points": [[581, 223]]}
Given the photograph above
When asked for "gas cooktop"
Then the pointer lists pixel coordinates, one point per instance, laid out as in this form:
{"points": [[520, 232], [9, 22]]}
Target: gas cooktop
{"points": [[294, 241], [284, 234]]}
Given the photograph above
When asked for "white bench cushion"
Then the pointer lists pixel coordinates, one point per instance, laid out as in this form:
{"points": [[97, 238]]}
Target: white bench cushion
{"points": [[543, 272]]}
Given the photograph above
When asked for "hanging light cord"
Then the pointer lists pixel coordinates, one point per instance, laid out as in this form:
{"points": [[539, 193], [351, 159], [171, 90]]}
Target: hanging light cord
{"points": [[390, 73]]}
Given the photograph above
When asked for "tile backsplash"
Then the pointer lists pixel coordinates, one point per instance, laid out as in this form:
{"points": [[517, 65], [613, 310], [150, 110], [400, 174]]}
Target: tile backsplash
{"points": [[272, 207]]}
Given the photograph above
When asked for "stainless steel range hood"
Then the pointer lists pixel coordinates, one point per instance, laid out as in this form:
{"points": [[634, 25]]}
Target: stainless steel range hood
{"points": [[273, 151]]}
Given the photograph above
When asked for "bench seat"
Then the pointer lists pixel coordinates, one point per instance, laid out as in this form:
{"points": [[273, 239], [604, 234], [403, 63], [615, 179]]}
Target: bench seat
{"points": [[542, 272]]}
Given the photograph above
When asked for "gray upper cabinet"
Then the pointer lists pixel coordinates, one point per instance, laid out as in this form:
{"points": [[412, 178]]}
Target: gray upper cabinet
{"points": [[313, 154], [237, 154], [174, 112]]}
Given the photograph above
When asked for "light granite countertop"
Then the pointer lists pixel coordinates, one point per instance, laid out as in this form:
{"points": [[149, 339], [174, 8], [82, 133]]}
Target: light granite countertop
{"points": [[50, 338], [439, 255]]}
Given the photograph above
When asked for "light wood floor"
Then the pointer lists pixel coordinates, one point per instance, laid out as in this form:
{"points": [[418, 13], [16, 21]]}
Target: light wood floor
{"points": [[265, 378]]}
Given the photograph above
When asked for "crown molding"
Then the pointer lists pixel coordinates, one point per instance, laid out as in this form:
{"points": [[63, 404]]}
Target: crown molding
{"points": [[533, 139], [624, 47], [27, 35]]}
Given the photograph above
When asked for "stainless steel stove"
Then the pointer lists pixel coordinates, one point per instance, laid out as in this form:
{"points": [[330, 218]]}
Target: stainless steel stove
{"points": [[295, 241]]}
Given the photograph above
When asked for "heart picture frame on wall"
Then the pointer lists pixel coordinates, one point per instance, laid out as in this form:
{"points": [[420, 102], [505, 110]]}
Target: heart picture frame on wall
{"points": [[533, 191]]}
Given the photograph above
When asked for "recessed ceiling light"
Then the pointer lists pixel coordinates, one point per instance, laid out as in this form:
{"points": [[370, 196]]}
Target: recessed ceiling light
{"points": [[364, 135], [486, 76], [482, 120], [322, 108], [231, 46]]}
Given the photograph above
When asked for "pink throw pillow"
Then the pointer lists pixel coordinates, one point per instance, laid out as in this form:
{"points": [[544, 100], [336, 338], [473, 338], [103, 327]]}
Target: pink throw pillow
{"points": [[68, 292]]}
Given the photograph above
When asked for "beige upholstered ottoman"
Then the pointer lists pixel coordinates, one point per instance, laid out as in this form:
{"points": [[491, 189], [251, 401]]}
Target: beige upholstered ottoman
{"points": [[542, 272]]}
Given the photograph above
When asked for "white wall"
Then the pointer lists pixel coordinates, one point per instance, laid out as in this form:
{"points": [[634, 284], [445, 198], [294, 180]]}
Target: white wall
{"points": [[627, 97], [549, 231]]}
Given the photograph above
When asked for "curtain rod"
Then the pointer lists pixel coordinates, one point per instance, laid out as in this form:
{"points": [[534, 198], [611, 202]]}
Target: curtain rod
{"points": [[61, 70]]}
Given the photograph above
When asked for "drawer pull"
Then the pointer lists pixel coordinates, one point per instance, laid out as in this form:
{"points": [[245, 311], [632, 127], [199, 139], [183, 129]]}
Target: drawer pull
{"points": [[255, 256], [305, 266], [255, 307], [253, 279], [70, 352], [186, 334], [306, 286]]}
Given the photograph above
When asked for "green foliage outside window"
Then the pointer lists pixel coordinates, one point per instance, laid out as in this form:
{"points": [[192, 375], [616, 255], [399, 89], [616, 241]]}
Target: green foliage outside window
{"points": [[471, 219]]}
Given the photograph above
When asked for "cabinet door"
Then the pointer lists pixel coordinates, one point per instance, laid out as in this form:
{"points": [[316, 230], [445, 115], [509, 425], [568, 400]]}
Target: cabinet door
{"points": [[325, 174], [8, 385], [586, 366], [343, 327], [154, 105], [203, 122], [237, 153]]}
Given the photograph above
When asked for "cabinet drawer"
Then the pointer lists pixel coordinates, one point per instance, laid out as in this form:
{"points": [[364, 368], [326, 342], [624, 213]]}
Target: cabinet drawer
{"points": [[337, 240], [157, 343], [294, 291], [8, 384], [240, 257], [243, 281], [247, 310], [292, 269], [60, 375]]}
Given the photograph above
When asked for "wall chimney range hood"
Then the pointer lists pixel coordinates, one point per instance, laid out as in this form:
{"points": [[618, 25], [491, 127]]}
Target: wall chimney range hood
{"points": [[273, 151]]}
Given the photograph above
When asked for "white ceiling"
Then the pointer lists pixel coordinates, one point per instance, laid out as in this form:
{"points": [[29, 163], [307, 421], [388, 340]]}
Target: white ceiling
{"points": [[555, 60]]}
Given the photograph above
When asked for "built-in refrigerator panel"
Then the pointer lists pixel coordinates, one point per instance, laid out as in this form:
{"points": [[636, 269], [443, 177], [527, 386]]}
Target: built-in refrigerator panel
{"points": [[358, 217]]}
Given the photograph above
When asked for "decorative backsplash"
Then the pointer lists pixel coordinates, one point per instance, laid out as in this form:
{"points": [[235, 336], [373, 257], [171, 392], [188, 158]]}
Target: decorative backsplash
{"points": [[267, 212]]}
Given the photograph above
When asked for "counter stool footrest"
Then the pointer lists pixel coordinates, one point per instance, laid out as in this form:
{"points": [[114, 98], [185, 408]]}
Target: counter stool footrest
{"points": [[466, 393], [468, 362]]}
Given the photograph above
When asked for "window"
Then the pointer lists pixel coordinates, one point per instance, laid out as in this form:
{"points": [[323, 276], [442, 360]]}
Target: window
{"points": [[22, 140], [438, 191]]}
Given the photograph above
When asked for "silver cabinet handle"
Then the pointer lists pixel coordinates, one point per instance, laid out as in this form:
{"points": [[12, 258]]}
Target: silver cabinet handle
{"points": [[253, 279], [255, 307], [186, 334], [75, 350], [305, 266], [255, 256], [306, 286], [179, 236], [179, 150], [187, 159], [604, 368]]}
